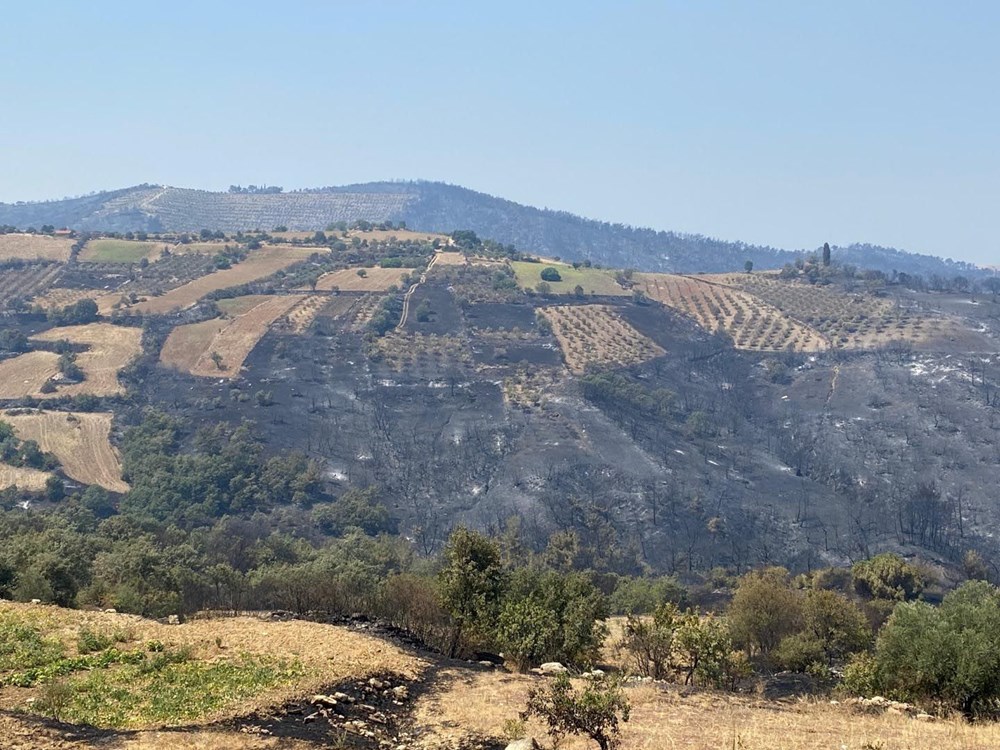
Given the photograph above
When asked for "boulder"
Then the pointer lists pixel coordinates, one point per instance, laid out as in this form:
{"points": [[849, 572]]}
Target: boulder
{"points": [[552, 668], [528, 743]]}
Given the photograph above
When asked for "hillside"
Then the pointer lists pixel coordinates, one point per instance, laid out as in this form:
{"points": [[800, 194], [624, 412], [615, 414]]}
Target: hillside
{"points": [[439, 207], [254, 682]]}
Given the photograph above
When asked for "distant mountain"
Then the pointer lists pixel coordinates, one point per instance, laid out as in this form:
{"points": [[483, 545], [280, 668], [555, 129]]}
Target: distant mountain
{"points": [[433, 206]]}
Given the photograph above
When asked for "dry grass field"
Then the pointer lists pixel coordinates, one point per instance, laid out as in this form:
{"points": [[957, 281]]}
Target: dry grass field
{"points": [[348, 280], [23, 283], [25, 479], [597, 335], [258, 265], [25, 374], [34, 247], [750, 321], [451, 258], [190, 348], [849, 321], [58, 297], [79, 440], [110, 349]]}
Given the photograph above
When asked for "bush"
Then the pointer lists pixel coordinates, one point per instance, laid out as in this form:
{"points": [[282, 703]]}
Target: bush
{"points": [[764, 610], [550, 274], [887, 576], [947, 655], [594, 711]]}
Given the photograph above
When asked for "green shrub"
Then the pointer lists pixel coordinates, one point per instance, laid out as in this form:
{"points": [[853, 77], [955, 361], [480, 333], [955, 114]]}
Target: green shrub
{"points": [[594, 711], [887, 576], [550, 274]]}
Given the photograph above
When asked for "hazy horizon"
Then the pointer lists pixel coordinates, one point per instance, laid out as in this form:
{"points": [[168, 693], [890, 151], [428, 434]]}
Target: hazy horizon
{"points": [[781, 124]]}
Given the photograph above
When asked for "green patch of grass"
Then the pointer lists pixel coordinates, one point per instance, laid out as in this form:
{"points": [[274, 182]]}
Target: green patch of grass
{"points": [[234, 306], [116, 251], [167, 688], [593, 280], [23, 646]]}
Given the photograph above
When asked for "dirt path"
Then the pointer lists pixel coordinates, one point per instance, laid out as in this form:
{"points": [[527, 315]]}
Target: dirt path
{"points": [[833, 386], [410, 291]]}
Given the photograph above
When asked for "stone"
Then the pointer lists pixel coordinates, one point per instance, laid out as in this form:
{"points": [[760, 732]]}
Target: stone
{"points": [[528, 743], [924, 717], [173, 620], [553, 668]]}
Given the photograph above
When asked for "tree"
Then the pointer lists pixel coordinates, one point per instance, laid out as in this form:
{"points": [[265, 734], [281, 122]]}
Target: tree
{"points": [[550, 274], [472, 583], [595, 711], [543, 288], [887, 576], [748, 266], [764, 610], [826, 253]]}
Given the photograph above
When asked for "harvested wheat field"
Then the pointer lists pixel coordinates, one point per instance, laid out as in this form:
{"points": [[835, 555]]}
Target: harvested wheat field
{"points": [[466, 702], [34, 247], [348, 279], [451, 258], [195, 348], [22, 478], [110, 349], [79, 440], [25, 374], [750, 321], [258, 265], [597, 335], [120, 251]]}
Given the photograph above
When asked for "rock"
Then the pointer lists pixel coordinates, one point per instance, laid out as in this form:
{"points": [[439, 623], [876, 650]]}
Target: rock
{"points": [[343, 698], [485, 663], [924, 717], [400, 693], [173, 620], [324, 700], [552, 668], [528, 743], [36, 601], [111, 611]]}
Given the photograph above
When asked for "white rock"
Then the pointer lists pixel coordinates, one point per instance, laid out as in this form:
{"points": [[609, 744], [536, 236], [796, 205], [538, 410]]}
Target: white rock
{"points": [[553, 667]]}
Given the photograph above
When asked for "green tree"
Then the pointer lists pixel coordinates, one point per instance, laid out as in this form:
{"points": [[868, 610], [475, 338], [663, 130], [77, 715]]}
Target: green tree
{"points": [[550, 274], [826, 253], [764, 610], [748, 266], [887, 576], [595, 711], [472, 583]]}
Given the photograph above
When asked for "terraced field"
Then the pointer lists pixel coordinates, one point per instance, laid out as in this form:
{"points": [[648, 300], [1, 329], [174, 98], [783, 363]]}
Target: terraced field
{"points": [[256, 266], [597, 335], [849, 321], [348, 279], [301, 316], [750, 321], [81, 442], [34, 247], [217, 348], [23, 283]]}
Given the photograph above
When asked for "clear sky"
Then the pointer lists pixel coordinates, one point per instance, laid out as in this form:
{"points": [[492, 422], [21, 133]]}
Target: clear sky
{"points": [[784, 123]]}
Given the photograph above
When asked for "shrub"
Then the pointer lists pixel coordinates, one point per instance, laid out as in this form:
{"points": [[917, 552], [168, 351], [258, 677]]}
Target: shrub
{"points": [[764, 610], [550, 274], [595, 711], [887, 576]]}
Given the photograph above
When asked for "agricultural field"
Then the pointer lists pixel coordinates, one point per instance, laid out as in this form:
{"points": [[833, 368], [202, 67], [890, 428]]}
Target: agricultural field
{"points": [[79, 440], [849, 321], [110, 349], [406, 352], [750, 321], [451, 258], [56, 298], [218, 348], [34, 247], [258, 265], [301, 316], [23, 283], [597, 335], [595, 281], [120, 251], [25, 374], [23, 478], [349, 280]]}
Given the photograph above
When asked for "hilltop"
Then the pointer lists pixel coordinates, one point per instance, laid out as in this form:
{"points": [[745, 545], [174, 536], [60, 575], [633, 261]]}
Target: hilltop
{"points": [[438, 207]]}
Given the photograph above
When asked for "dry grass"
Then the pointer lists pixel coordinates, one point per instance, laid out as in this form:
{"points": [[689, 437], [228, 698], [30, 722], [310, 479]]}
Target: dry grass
{"points": [[597, 335], [190, 347], [25, 479], [120, 251], [56, 298], [451, 258], [110, 349], [590, 280], [25, 374], [750, 321], [348, 280], [671, 717], [79, 440], [304, 313], [257, 265], [34, 247]]}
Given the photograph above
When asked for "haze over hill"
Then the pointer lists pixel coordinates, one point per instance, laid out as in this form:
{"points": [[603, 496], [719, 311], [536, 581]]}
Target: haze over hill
{"points": [[439, 207]]}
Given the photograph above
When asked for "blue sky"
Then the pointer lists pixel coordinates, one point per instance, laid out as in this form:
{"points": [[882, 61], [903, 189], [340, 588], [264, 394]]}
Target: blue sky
{"points": [[785, 123]]}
